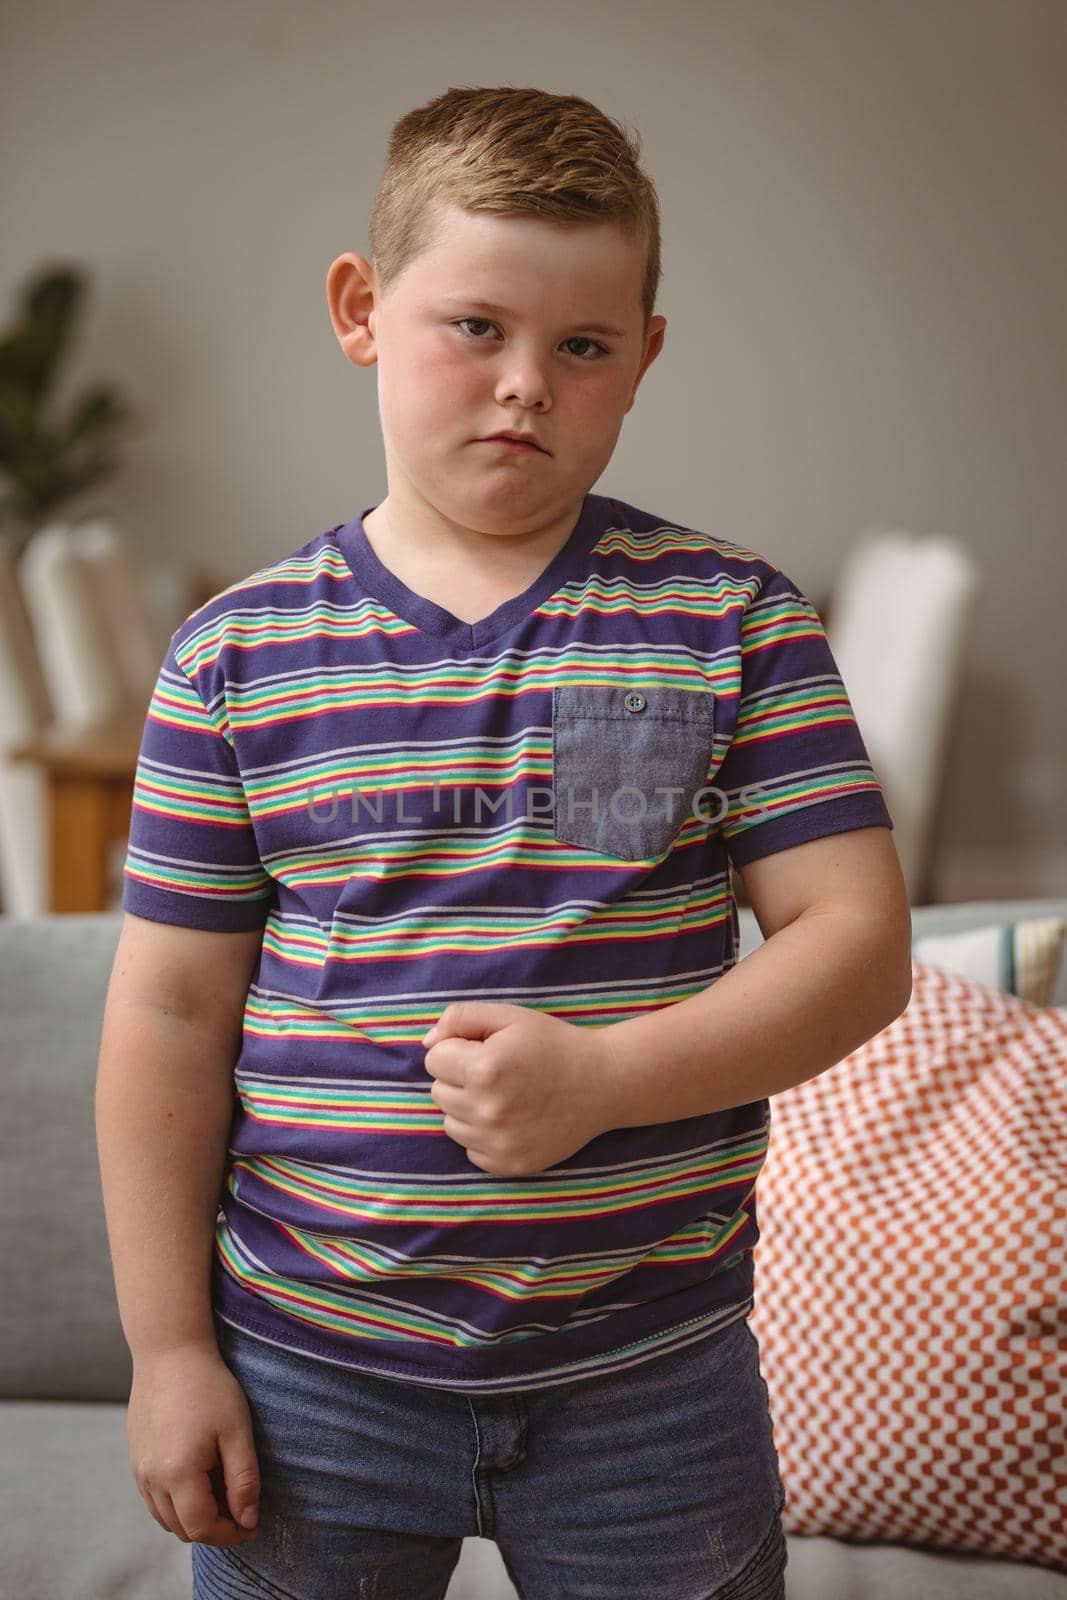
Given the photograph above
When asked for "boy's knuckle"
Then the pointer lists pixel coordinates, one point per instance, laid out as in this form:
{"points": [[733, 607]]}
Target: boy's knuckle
{"points": [[487, 1076]]}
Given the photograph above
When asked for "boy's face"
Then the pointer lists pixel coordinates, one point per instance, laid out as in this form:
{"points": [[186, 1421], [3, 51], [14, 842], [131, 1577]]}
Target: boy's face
{"points": [[452, 372]]}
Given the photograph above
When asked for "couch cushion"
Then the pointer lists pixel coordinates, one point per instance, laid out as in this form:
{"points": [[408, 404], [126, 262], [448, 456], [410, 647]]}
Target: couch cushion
{"points": [[75, 1526], [60, 1334], [911, 1280], [1021, 957], [842, 1569]]}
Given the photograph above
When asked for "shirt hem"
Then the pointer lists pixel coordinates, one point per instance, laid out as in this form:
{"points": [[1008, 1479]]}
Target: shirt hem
{"points": [[598, 1354]]}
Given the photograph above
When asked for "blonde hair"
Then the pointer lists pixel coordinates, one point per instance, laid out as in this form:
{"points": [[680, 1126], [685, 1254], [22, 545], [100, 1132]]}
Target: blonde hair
{"points": [[517, 151]]}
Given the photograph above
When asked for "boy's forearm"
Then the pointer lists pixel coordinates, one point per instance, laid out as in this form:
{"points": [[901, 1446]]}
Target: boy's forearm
{"points": [[164, 1102], [808, 996]]}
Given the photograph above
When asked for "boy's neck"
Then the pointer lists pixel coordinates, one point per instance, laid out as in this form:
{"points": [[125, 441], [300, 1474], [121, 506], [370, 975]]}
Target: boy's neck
{"points": [[472, 576]]}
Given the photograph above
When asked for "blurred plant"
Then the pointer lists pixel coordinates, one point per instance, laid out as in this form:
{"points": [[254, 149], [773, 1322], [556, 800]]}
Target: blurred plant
{"points": [[48, 463]]}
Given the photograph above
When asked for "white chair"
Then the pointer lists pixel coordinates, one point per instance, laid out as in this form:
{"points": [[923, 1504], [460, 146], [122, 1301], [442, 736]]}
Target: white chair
{"points": [[125, 604], [72, 629], [24, 708], [897, 625]]}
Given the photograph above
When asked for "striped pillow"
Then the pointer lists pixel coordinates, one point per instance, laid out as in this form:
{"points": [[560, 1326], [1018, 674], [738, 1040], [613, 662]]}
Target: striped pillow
{"points": [[911, 1280], [1021, 958]]}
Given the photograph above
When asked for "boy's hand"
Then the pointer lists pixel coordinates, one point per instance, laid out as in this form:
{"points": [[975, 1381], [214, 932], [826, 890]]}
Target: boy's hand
{"points": [[520, 1089], [190, 1445]]}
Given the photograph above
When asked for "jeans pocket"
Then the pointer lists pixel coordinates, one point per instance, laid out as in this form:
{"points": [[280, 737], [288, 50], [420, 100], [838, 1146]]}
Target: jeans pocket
{"points": [[627, 765]]}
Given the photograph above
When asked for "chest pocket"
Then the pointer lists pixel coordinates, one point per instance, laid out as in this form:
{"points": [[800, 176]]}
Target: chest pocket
{"points": [[627, 743]]}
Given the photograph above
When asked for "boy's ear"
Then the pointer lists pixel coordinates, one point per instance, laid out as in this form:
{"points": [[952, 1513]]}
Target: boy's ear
{"points": [[351, 291], [653, 346]]}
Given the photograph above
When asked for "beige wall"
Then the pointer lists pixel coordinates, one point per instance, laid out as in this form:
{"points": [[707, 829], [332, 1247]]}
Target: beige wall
{"points": [[865, 251]]}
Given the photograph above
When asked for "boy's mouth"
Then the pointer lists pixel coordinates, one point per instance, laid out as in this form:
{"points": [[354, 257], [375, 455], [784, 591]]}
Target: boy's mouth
{"points": [[514, 443]]}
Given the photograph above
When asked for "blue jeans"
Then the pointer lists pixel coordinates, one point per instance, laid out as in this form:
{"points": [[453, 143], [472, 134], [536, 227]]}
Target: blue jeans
{"points": [[658, 1483]]}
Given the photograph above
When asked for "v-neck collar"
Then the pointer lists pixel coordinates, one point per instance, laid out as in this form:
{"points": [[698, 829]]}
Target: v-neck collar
{"points": [[382, 584]]}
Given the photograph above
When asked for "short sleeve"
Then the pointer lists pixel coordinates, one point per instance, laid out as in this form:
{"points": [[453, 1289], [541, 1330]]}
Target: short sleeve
{"points": [[796, 768], [192, 857]]}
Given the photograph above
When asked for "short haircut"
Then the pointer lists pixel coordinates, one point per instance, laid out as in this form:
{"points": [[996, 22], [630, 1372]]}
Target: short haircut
{"points": [[511, 151]]}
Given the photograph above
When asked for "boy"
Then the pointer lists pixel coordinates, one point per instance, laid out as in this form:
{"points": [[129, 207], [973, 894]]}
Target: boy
{"points": [[426, 976]]}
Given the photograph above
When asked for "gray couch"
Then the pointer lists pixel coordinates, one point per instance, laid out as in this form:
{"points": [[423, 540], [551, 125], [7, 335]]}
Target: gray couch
{"points": [[73, 1525]]}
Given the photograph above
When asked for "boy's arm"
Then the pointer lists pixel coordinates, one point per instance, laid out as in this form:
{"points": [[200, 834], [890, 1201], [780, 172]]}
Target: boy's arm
{"points": [[164, 1103], [834, 970]]}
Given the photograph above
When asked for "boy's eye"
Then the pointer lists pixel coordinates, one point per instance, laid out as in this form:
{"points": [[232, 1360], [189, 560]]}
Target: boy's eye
{"points": [[599, 349]]}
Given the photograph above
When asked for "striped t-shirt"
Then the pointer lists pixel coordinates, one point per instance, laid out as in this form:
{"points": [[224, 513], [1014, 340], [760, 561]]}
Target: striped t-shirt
{"points": [[337, 759]]}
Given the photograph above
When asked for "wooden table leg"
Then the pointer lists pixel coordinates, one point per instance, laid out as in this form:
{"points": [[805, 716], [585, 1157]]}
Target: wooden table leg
{"points": [[88, 816], [79, 822]]}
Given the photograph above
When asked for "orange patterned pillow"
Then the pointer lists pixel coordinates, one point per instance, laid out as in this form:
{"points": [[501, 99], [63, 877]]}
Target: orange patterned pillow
{"points": [[911, 1280]]}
